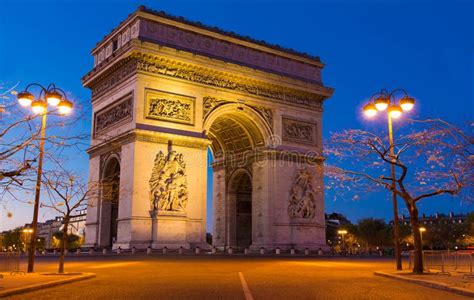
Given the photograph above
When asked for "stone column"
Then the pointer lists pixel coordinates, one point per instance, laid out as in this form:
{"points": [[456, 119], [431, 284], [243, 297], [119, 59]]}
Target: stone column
{"points": [[219, 236], [126, 220], [303, 183], [93, 209], [262, 198], [171, 228], [104, 225], [154, 227]]}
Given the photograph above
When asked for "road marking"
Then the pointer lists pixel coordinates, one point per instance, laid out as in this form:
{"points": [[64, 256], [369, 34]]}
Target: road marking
{"points": [[245, 287]]}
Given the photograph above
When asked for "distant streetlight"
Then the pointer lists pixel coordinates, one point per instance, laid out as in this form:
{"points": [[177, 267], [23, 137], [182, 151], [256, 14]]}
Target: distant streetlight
{"points": [[422, 229], [56, 98], [27, 232], [343, 233], [384, 101]]}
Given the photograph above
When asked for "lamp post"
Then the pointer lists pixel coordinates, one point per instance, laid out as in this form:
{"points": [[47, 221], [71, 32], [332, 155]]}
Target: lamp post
{"points": [[343, 233], [385, 101], [56, 98]]}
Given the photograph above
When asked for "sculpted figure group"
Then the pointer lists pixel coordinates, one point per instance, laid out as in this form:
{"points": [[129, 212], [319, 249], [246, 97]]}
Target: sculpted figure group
{"points": [[172, 109], [168, 185], [302, 196]]}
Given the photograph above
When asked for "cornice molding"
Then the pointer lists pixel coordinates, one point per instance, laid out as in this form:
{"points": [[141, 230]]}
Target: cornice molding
{"points": [[258, 155], [143, 15], [178, 140], [138, 62], [148, 136]]}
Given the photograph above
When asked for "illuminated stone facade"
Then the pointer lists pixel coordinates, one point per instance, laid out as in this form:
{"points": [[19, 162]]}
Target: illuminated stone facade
{"points": [[164, 91]]}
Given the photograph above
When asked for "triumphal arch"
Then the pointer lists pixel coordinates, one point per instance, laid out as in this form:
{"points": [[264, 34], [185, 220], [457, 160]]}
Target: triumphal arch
{"points": [[165, 91]]}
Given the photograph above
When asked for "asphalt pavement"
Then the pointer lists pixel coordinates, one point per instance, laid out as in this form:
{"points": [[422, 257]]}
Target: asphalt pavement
{"points": [[230, 277]]}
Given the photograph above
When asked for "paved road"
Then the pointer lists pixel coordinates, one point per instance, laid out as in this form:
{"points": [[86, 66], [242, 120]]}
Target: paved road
{"points": [[189, 277]]}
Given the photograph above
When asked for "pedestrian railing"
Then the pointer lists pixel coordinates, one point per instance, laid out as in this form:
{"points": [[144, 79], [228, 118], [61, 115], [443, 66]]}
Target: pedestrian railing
{"points": [[444, 262], [10, 262]]}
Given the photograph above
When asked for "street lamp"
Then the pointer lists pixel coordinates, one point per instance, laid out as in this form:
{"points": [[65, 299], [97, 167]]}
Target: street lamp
{"points": [[27, 232], [422, 229], [342, 233], [385, 101], [56, 98]]}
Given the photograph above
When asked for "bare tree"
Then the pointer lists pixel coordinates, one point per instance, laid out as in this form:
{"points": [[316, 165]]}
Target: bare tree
{"points": [[436, 158], [67, 195], [17, 134], [19, 142]]}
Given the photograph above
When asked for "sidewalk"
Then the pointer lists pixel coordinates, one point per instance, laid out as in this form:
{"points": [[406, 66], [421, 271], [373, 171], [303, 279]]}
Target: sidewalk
{"points": [[12, 284], [455, 283]]}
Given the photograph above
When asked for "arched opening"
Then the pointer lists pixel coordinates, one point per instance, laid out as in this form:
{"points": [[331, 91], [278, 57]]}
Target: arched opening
{"points": [[237, 132], [110, 201], [240, 195]]}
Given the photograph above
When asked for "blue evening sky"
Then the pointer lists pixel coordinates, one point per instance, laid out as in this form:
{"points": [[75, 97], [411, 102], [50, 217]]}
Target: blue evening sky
{"points": [[426, 47]]}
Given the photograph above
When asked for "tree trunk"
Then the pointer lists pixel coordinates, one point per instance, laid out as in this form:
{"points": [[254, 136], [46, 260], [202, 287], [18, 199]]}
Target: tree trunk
{"points": [[63, 245], [418, 248]]}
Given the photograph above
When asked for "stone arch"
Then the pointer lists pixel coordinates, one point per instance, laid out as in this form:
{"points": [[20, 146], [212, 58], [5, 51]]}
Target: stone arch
{"points": [[236, 128], [110, 199], [177, 100], [238, 133]]}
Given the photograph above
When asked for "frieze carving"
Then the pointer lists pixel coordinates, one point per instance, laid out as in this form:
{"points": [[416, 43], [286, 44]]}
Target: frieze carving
{"points": [[216, 79], [210, 103], [193, 41], [302, 196], [109, 117], [298, 131], [119, 40], [136, 63], [169, 107], [125, 69], [168, 184], [266, 113]]}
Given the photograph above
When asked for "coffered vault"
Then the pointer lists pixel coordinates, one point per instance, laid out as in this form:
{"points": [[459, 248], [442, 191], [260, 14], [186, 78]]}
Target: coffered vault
{"points": [[164, 91]]}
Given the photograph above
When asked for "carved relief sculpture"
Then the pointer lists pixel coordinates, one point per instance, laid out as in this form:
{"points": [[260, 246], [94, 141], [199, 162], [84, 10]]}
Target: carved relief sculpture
{"points": [[169, 107], [140, 63], [266, 113], [192, 41], [114, 115], [302, 197], [199, 75], [299, 131], [168, 184], [210, 103]]}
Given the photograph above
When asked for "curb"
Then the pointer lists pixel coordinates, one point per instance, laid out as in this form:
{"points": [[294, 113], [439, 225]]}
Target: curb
{"points": [[40, 286], [431, 284]]}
